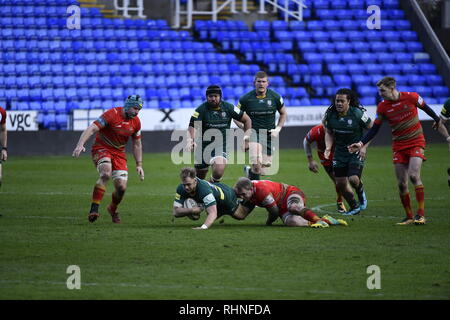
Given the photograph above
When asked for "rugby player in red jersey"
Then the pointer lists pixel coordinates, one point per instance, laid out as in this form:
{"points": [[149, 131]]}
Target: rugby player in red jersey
{"points": [[3, 140], [317, 135], [280, 200], [113, 129], [408, 141]]}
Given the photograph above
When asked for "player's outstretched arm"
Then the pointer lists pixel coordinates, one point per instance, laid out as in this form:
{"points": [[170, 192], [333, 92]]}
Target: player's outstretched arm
{"points": [[356, 147], [178, 211], [272, 215], [211, 217], [93, 128]]}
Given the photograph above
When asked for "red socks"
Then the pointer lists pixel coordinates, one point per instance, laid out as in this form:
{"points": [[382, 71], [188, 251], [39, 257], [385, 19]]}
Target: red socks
{"points": [[420, 197], [406, 202], [98, 193]]}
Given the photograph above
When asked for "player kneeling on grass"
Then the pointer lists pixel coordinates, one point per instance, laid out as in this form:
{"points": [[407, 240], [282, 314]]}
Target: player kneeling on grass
{"points": [[113, 129], [217, 198], [280, 200]]}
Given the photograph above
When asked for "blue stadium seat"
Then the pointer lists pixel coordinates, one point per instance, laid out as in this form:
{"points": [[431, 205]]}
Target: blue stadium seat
{"points": [[299, 36], [307, 46], [414, 46], [367, 91], [427, 68], [296, 25], [355, 68], [368, 101], [311, 57], [331, 57], [342, 80], [390, 4], [378, 46], [338, 36], [417, 80], [404, 57], [325, 14], [361, 80], [355, 4], [336, 69], [320, 36], [325, 46], [440, 91], [434, 80], [278, 25], [403, 25], [397, 46], [315, 25], [321, 4], [331, 25], [426, 91], [343, 46], [408, 68], [392, 68]]}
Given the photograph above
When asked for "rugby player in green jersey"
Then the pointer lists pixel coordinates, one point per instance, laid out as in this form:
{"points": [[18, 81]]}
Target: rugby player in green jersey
{"points": [[262, 104], [445, 115], [344, 121], [217, 198], [214, 119]]}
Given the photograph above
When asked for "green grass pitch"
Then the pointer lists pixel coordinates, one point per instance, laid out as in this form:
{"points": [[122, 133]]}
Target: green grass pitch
{"points": [[44, 203]]}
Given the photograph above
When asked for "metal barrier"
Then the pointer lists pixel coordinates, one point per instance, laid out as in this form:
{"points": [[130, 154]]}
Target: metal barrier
{"points": [[189, 10], [126, 7], [298, 15]]}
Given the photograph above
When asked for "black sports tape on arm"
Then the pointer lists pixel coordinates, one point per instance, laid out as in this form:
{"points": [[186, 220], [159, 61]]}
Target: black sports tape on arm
{"points": [[371, 133], [426, 108]]}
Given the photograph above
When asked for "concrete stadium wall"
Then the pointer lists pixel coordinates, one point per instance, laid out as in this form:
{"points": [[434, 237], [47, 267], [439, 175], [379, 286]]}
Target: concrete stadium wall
{"points": [[28, 143]]}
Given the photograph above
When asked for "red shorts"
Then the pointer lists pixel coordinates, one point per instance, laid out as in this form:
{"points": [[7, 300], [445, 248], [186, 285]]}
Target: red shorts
{"points": [[286, 201], [118, 158], [323, 161], [404, 155]]}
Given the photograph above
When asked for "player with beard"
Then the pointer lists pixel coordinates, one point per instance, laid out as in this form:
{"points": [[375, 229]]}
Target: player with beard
{"points": [[113, 129], [213, 118]]}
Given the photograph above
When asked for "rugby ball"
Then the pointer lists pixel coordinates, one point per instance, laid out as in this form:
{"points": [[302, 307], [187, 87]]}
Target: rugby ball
{"points": [[191, 203]]}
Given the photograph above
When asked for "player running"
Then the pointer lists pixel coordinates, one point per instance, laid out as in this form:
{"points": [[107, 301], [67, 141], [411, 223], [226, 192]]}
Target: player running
{"points": [[280, 200], [262, 104], [317, 135], [345, 121], [213, 114], [408, 141], [216, 198], [113, 129]]}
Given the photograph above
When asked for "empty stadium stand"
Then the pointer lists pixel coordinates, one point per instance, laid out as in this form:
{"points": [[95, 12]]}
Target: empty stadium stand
{"points": [[46, 66]]}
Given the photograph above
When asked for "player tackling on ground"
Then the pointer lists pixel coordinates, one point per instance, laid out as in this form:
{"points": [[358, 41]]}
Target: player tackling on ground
{"points": [[113, 129], [216, 198], [280, 200], [408, 141]]}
